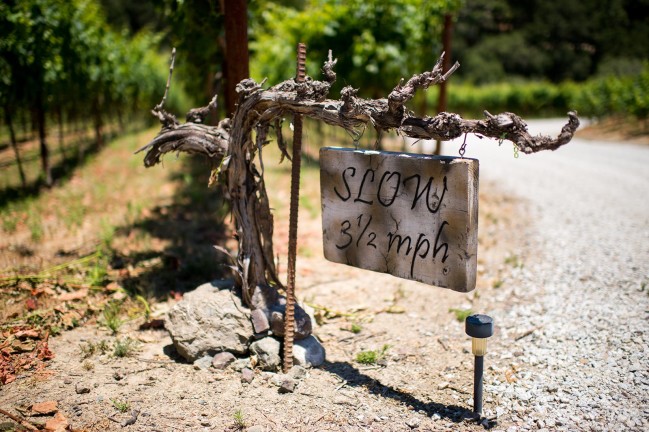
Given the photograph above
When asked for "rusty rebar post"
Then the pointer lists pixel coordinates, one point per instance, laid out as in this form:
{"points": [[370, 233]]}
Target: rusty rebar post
{"points": [[289, 314]]}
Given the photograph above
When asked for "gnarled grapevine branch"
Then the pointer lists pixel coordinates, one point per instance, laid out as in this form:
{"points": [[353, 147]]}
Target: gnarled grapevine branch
{"points": [[259, 108]]}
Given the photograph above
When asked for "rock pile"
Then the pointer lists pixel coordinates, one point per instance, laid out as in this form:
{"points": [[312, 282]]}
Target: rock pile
{"points": [[211, 327]]}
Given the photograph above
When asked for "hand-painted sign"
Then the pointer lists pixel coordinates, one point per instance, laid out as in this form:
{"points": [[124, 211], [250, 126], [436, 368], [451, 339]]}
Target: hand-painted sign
{"points": [[413, 216]]}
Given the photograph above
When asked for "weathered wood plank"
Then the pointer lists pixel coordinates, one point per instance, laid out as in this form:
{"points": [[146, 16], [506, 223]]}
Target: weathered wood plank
{"points": [[413, 216]]}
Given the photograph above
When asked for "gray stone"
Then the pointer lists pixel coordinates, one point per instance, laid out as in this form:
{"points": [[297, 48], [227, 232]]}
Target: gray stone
{"points": [[209, 319], [223, 360], [413, 423], [203, 363], [287, 384], [259, 321], [308, 352], [267, 352], [303, 325], [298, 372], [247, 375], [264, 297], [239, 364]]}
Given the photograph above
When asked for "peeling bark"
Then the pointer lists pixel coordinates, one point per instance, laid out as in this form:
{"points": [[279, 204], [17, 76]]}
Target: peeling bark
{"points": [[231, 144]]}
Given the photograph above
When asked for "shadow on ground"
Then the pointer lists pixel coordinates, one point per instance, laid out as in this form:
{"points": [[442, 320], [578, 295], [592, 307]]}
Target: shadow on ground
{"points": [[191, 225], [76, 154], [353, 377]]}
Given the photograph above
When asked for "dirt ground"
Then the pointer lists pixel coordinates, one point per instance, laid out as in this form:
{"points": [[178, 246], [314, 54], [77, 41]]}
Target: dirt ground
{"points": [[423, 380], [617, 130]]}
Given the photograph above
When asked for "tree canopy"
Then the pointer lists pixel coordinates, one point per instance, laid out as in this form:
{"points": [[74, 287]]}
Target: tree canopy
{"points": [[376, 42], [550, 39], [61, 56]]}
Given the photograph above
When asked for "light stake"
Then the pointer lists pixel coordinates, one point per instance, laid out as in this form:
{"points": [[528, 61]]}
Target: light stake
{"points": [[479, 327]]}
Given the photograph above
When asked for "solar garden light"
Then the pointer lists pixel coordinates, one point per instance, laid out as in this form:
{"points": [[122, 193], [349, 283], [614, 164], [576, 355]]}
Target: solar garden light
{"points": [[479, 327]]}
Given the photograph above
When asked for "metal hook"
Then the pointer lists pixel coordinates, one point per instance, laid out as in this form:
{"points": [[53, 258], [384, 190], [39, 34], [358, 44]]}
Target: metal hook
{"points": [[463, 146]]}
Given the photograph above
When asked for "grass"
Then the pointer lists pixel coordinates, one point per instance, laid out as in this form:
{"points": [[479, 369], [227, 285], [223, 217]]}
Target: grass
{"points": [[497, 283], [106, 233], [76, 211], [371, 357], [461, 314], [88, 349], [356, 328], [99, 223], [306, 202], [97, 273], [514, 261], [121, 406], [124, 347], [145, 306], [112, 318], [239, 420], [9, 223], [35, 227]]}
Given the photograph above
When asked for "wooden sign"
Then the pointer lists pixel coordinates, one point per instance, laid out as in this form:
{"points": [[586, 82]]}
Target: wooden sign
{"points": [[413, 216]]}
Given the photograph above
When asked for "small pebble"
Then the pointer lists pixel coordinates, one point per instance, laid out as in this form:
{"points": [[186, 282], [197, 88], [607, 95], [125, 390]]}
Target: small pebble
{"points": [[413, 423], [82, 388], [287, 385], [247, 375]]}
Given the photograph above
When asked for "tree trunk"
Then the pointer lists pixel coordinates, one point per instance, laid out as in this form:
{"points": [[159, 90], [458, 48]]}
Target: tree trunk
{"points": [[236, 52], [14, 145], [42, 135], [446, 64], [96, 114], [25, 123], [234, 144], [59, 118]]}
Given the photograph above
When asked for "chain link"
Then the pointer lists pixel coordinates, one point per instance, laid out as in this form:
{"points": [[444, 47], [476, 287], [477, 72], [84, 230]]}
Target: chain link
{"points": [[515, 151], [463, 147]]}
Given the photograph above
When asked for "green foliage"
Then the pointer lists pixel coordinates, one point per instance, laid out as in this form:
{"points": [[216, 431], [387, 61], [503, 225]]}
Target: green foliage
{"points": [[551, 40], [106, 234], [239, 419], [87, 349], [102, 346], [514, 260], [371, 357], [124, 347], [611, 95], [602, 96], [376, 42], [121, 406], [197, 31], [59, 56], [145, 306], [112, 318], [461, 314], [35, 226]]}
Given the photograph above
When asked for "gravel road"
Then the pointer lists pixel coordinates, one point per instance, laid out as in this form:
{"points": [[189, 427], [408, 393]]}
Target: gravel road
{"points": [[580, 361]]}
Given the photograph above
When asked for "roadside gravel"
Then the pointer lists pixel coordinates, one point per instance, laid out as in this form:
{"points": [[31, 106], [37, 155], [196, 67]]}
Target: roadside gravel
{"points": [[575, 344]]}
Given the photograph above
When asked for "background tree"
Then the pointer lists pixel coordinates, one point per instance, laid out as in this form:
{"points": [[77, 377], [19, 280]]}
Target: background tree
{"points": [[60, 59], [553, 39], [373, 40]]}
